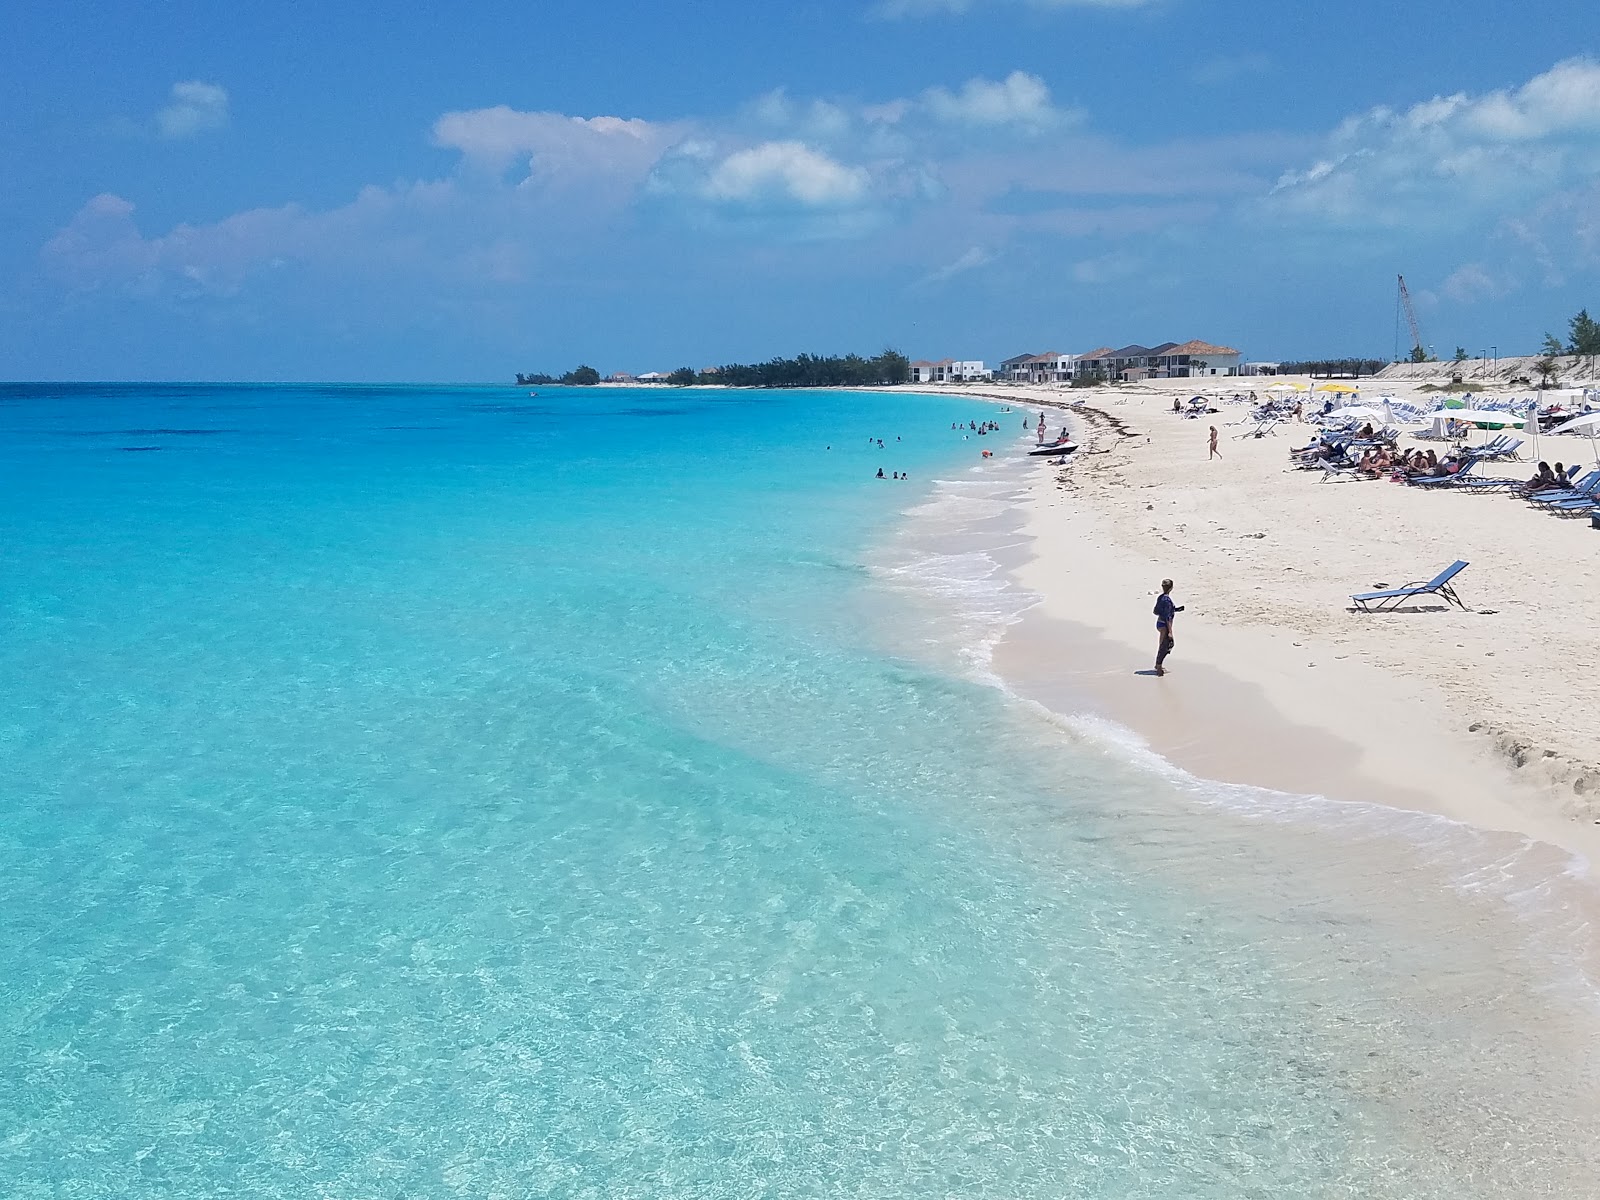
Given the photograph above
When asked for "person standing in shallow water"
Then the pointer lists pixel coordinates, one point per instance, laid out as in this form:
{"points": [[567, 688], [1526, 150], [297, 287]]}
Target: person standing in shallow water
{"points": [[1166, 617]]}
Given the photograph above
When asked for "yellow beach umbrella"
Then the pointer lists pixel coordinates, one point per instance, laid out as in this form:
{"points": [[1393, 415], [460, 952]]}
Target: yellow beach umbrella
{"points": [[1343, 388]]}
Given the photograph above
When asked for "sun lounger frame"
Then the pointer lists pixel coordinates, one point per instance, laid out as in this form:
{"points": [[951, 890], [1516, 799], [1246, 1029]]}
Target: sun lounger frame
{"points": [[1392, 598]]}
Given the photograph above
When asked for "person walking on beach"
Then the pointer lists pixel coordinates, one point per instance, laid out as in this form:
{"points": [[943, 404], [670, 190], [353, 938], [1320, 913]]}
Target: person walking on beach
{"points": [[1166, 616], [1215, 453]]}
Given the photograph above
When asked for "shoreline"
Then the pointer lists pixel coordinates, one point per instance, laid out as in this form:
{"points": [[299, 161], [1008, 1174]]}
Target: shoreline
{"points": [[1274, 683], [1441, 923]]}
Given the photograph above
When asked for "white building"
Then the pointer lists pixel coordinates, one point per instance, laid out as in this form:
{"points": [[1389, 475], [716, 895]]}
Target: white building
{"points": [[1203, 359], [949, 370]]}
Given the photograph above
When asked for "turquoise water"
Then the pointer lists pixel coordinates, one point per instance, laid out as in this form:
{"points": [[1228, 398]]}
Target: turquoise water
{"points": [[452, 792]]}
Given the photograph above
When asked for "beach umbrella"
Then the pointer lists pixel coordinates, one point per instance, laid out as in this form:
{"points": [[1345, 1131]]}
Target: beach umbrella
{"points": [[1480, 416], [1359, 412], [1587, 421], [1531, 427], [1287, 387], [1590, 422], [1388, 413], [1342, 388]]}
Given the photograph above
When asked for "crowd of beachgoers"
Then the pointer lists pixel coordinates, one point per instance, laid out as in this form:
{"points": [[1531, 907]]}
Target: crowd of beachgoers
{"points": [[1355, 440], [1365, 441]]}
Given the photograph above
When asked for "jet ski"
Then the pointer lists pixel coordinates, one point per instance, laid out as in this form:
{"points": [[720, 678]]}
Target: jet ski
{"points": [[1054, 449]]}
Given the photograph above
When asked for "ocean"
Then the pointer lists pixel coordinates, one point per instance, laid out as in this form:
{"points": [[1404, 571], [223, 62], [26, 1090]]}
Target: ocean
{"points": [[456, 791]]}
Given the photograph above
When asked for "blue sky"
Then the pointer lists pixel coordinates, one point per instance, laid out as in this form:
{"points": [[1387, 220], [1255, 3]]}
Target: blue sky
{"points": [[274, 191]]}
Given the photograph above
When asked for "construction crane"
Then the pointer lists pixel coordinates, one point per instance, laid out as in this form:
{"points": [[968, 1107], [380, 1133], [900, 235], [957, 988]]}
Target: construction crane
{"points": [[1403, 304]]}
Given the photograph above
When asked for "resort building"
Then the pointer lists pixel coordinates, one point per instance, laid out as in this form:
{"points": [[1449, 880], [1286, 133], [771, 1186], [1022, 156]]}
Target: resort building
{"points": [[1015, 369], [949, 370], [1196, 358], [1168, 360], [1050, 367]]}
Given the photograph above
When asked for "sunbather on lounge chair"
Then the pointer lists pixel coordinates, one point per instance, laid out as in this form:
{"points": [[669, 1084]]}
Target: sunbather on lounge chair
{"points": [[1543, 478]]}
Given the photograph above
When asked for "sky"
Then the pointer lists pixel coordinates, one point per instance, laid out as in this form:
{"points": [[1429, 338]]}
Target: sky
{"points": [[335, 191]]}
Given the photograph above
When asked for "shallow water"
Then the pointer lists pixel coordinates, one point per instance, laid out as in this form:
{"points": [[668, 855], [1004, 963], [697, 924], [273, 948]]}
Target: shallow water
{"points": [[431, 792]]}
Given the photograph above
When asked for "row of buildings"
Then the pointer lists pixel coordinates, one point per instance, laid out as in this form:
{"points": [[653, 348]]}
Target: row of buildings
{"points": [[1169, 360]]}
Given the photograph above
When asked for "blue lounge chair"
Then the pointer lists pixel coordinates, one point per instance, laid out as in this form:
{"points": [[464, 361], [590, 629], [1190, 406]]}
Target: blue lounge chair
{"points": [[1446, 481], [1439, 585], [1584, 490]]}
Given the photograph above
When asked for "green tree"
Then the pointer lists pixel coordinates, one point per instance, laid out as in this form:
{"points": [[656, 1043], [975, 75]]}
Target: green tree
{"points": [[893, 367], [1547, 367], [1584, 334], [1461, 354], [1552, 346], [584, 376], [1418, 355], [682, 377]]}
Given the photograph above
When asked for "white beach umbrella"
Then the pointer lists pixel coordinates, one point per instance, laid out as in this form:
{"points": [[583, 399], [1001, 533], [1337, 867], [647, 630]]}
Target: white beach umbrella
{"points": [[1590, 422], [1358, 412], [1478, 416], [1531, 427], [1587, 421]]}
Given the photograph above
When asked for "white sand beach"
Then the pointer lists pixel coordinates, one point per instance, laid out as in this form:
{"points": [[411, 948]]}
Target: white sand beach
{"points": [[1486, 715]]}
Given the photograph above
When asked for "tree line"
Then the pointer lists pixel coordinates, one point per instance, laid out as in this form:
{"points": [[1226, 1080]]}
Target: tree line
{"points": [[814, 370], [805, 370], [584, 376]]}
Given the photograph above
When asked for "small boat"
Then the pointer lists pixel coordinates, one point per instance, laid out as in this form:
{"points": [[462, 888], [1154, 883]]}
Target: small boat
{"points": [[1054, 449]]}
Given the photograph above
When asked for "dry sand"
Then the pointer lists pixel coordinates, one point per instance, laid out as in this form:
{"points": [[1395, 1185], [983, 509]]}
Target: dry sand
{"points": [[1487, 716]]}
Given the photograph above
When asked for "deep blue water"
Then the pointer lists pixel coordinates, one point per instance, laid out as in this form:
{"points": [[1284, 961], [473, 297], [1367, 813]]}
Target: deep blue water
{"points": [[428, 792]]}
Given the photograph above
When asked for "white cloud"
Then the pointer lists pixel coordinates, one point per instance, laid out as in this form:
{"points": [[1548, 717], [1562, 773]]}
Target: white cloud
{"points": [[1470, 282], [785, 171], [782, 188], [195, 108], [103, 247], [969, 260], [1452, 160], [1019, 100], [814, 120], [551, 144]]}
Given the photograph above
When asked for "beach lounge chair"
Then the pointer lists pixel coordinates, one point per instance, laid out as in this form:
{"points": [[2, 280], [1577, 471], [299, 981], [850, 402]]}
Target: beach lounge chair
{"points": [[1337, 474], [1485, 486], [1505, 447], [1392, 598], [1584, 489], [1565, 484], [1445, 481]]}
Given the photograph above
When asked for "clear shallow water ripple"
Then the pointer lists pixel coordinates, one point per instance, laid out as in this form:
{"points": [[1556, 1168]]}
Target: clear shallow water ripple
{"points": [[473, 808]]}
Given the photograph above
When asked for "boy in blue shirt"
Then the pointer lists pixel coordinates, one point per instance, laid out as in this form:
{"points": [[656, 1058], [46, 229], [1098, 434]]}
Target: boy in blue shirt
{"points": [[1166, 614]]}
